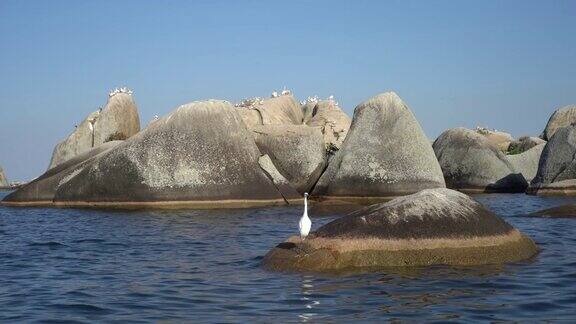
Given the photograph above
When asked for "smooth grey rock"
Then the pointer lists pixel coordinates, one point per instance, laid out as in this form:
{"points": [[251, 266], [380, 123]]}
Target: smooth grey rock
{"points": [[297, 151], [527, 162], [433, 226], [562, 117], [524, 143], [118, 120], [385, 154], [199, 155], [332, 121], [281, 183], [43, 189], [471, 162], [557, 162]]}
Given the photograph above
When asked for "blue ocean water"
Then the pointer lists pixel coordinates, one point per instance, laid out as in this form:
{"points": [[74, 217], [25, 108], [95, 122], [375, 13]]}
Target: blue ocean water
{"points": [[74, 265]]}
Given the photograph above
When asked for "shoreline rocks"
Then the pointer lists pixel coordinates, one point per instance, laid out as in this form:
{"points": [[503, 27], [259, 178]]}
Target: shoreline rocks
{"points": [[3, 179], [564, 211], [526, 163], [557, 167], [471, 163], [118, 120], [431, 227], [384, 155]]}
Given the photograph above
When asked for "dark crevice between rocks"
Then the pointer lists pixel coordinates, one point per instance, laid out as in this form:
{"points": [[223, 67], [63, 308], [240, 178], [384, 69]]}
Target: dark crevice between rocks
{"points": [[317, 180], [275, 186]]}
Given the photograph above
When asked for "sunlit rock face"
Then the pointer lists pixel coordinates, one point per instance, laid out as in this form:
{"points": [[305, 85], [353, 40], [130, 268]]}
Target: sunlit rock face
{"points": [[3, 179], [118, 120], [471, 162], [199, 155], [526, 163], [332, 121], [385, 154], [565, 116], [434, 226], [557, 168]]}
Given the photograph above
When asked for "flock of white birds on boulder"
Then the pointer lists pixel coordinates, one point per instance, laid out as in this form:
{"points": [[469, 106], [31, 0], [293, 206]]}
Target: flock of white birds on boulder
{"points": [[120, 90]]}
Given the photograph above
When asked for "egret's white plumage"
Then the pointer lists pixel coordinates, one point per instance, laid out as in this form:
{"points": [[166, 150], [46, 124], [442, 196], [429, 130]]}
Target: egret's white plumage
{"points": [[305, 223]]}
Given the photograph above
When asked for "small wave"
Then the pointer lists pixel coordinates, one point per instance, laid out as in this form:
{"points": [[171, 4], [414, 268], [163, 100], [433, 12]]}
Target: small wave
{"points": [[85, 308], [49, 244]]}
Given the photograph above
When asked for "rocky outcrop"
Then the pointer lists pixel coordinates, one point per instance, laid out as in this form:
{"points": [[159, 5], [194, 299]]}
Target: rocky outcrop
{"points": [[557, 164], [526, 163], [435, 226], [3, 179], [118, 120], [385, 154], [524, 143], [41, 191], [201, 155], [565, 211], [296, 150], [501, 140], [330, 119], [471, 163], [282, 110], [562, 117]]}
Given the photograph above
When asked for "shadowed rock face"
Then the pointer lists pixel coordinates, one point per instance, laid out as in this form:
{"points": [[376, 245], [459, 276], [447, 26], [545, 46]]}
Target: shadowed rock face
{"points": [[43, 189], [201, 152], [566, 211], [526, 163], [434, 226], [384, 154], [562, 117], [297, 151], [118, 120], [330, 119], [3, 179], [470, 162], [525, 143], [557, 162]]}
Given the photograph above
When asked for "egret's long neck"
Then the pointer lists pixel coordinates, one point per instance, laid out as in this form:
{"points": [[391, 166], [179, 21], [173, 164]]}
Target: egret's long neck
{"points": [[306, 204]]}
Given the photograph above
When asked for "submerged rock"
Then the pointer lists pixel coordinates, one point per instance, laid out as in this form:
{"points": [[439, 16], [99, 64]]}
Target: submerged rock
{"points": [[297, 151], [470, 162], [385, 154], [118, 120], [331, 120], [434, 226], [557, 167], [562, 117], [526, 163], [3, 179], [201, 155], [42, 190], [565, 211]]}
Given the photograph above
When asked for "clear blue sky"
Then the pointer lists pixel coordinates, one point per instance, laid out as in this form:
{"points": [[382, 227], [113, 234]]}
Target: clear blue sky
{"points": [[502, 64]]}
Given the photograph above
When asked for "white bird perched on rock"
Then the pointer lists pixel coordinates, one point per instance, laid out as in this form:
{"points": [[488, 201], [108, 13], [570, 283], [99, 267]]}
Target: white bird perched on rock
{"points": [[305, 223], [331, 97], [274, 94], [286, 92]]}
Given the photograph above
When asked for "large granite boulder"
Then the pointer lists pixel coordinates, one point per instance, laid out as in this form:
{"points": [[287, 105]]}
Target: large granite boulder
{"points": [[434, 226], [526, 163], [330, 119], [282, 110], [41, 191], [201, 155], [118, 120], [3, 179], [472, 163], [524, 143], [557, 164], [562, 117], [297, 151], [385, 154]]}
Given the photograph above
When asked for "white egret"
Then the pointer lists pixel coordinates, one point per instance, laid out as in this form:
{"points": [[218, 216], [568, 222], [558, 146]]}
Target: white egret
{"points": [[305, 223]]}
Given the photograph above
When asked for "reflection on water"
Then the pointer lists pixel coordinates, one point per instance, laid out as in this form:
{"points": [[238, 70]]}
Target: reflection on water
{"points": [[204, 266]]}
